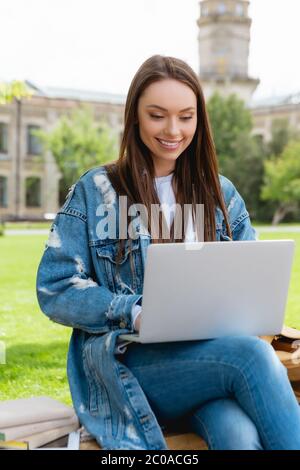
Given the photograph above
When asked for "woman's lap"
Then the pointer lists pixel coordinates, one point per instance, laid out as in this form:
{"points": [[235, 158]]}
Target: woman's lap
{"points": [[179, 377], [206, 383]]}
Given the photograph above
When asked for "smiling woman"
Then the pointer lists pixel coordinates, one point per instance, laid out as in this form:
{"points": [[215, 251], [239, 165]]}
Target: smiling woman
{"points": [[169, 132], [125, 394]]}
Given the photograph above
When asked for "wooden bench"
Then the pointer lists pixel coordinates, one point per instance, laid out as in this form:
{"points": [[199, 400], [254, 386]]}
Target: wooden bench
{"points": [[186, 441]]}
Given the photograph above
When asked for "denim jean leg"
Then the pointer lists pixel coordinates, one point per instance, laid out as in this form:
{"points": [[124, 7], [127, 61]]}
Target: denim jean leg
{"points": [[179, 377], [225, 426]]}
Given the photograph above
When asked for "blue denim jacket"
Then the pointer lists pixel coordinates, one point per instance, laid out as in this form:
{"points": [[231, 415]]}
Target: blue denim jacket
{"points": [[78, 286]]}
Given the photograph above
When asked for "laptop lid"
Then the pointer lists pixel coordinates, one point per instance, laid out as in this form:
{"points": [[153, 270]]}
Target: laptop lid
{"points": [[206, 290]]}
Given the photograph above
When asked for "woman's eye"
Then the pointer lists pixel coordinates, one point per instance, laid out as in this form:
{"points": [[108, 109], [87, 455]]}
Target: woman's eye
{"points": [[161, 117]]}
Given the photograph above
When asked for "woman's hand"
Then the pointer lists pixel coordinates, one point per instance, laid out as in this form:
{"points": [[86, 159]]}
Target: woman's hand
{"points": [[137, 322]]}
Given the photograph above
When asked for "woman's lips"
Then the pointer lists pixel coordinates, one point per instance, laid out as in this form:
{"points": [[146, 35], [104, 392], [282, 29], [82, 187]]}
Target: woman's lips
{"points": [[169, 145]]}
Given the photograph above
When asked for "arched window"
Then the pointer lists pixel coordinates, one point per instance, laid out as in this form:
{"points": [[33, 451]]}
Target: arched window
{"points": [[33, 191], [3, 137], [3, 191], [239, 9], [222, 8], [204, 10], [34, 145]]}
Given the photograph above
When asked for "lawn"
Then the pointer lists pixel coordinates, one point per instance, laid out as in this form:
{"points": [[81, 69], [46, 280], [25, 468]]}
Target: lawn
{"points": [[36, 348]]}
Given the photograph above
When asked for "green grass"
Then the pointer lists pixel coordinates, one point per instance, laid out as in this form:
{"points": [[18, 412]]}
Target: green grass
{"points": [[281, 226], [293, 305], [36, 348], [27, 225]]}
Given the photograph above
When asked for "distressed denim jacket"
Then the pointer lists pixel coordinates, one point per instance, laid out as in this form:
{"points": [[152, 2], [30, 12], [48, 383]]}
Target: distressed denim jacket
{"points": [[78, 286]]}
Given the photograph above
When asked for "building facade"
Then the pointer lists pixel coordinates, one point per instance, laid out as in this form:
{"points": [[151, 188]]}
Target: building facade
{"points": [[265, 112], [29, 179]]}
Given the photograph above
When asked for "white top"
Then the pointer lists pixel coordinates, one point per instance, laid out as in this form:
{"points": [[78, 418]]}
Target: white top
{"points": [[167, 200]]}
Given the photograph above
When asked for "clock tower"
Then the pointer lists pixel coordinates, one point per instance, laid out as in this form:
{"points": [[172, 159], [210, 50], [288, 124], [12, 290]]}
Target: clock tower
{"points": [[224, 37]]}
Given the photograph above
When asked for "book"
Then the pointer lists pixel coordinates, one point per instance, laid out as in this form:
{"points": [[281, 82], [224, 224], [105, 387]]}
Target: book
{"points": [[26, 411], [18, 432], [37, 440], [14, 445], [40, 439], [288, 340], [29, 423]]}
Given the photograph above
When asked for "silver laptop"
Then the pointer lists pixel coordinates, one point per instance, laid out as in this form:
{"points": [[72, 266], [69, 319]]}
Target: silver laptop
{"points": [[206, 290]]}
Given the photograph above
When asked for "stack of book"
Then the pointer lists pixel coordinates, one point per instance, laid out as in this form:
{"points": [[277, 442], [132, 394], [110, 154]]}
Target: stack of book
{"points": [[287, 347], [30, 423]]}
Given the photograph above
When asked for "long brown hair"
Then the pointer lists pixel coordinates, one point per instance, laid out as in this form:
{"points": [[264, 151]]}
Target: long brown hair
{"points": [[196, 178]]}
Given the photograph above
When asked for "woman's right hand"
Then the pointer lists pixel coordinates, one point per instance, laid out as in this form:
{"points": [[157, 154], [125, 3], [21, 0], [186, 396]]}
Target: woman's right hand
{"points": [[137, 322]]}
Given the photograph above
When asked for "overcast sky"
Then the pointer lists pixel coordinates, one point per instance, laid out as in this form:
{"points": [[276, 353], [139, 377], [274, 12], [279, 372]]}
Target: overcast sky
{"points": [[99, 44]]}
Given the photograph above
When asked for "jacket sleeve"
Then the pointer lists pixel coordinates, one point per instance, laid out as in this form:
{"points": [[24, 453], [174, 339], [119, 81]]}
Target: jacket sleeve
{"points": [[239, 218], [67, 290]]}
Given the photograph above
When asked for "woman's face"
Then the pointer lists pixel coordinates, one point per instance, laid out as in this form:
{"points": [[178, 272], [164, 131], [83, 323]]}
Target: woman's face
{"points": [[167, 117]]}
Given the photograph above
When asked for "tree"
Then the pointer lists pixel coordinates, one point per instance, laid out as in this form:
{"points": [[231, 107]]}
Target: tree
{"points": [[16, 89], [281, 134], [240, 154], [78, 143], [8, 92], [282, 181]]}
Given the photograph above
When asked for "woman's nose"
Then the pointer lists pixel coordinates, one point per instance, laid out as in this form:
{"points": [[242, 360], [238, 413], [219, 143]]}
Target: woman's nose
{"points": [[172, 128]]}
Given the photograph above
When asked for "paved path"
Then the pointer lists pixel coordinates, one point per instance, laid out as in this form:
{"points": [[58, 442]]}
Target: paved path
{"points": [[267, 228], [36, 231]]}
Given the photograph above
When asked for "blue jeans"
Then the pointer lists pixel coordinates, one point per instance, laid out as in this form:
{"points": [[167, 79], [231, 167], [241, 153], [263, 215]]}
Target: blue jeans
{"points": [[232, 391]]}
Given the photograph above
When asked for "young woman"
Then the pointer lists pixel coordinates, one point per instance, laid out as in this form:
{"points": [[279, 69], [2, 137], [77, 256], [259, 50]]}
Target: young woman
{"points": [[232, 391]]}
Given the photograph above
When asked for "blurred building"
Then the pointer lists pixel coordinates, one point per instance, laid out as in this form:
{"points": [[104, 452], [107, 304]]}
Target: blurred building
{"points": [[224, 38], [29, 181], [29, 184]]}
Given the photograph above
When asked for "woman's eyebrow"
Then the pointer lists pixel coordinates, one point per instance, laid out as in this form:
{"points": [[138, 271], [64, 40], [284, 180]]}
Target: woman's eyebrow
{"points": [[163, 109]]}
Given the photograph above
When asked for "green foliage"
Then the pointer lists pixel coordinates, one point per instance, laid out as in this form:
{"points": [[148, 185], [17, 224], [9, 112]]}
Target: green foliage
{"points": [[15, 89], [240, 154], [230, 121], [78, 143], [282, 134], [282, 176]]}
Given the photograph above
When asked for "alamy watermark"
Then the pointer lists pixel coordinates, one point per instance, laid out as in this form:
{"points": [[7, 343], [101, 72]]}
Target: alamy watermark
{"points": [[114, 224]]}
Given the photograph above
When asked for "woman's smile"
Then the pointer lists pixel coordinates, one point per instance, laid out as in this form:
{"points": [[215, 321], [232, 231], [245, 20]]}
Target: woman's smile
{"points": [[169, 144]]}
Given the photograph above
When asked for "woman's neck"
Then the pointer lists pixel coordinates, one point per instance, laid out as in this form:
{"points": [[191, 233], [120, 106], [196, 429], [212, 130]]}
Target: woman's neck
{"points": [[163, 170]]}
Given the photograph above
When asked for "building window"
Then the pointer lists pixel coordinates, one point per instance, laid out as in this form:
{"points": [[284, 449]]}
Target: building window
{"points": [[3, 191], [34, 145], [33, 192], [239, 9], [221, 8], [3, 137], [204, 10]]}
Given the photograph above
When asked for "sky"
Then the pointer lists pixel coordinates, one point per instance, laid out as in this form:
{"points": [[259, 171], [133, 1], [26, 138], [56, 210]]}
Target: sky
{"points": [[100, 44]]}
